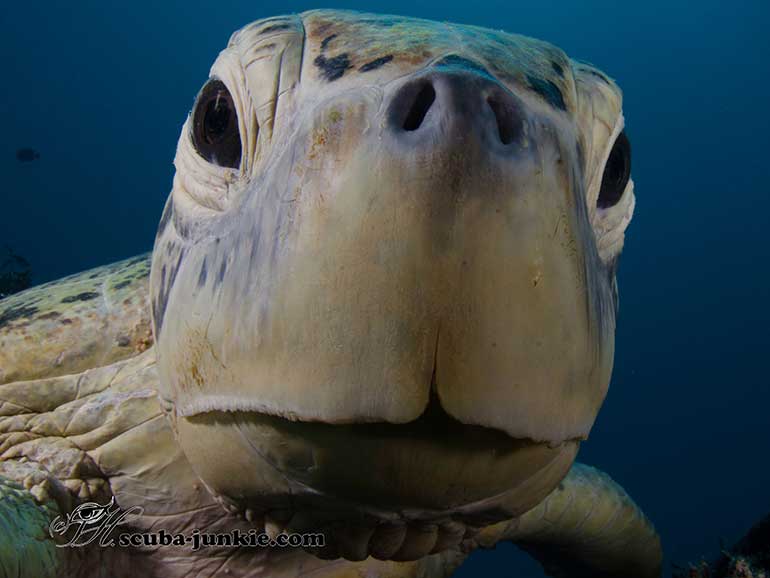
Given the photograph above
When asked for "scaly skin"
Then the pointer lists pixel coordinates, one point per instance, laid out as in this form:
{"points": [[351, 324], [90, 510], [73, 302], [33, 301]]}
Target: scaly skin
{"points": [[25, 547]]}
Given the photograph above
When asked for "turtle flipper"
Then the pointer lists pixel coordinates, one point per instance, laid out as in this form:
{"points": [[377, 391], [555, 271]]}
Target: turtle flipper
{"points": [[587, 527], [26, 549]]}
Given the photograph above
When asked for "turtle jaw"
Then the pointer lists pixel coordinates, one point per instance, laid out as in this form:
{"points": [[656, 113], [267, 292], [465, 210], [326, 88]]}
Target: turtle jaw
{"points": [[395, 491], [431, 481]]}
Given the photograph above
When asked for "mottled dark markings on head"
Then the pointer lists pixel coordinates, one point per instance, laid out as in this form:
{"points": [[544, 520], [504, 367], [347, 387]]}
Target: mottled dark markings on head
{"points": [[598, 75], [275, 28], [94, 275], [548, 90], [203, 275], [161, 300], [222, 271], [122, 284], [168, 212], [181, 225], [17, 314], [321, 28], [175, 270], [557, 68], [325, 42], [375, 64], [581, 157], [85, 296], [159, 308], [455, 61], [332, 68]]}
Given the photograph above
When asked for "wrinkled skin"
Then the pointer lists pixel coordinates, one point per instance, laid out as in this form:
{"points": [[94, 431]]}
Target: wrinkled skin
{"points": [[391, 319], [380, 321]]}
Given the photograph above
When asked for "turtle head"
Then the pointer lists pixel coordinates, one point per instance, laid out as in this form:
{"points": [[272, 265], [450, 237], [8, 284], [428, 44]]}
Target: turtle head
{"points": [[383, 286]]}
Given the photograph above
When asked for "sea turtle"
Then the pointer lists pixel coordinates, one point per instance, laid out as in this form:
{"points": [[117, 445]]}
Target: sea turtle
{"points": [[380, 306]]}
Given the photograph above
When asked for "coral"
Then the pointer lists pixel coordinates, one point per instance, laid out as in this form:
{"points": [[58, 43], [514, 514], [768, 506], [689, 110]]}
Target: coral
{"points": [[749, 558]]}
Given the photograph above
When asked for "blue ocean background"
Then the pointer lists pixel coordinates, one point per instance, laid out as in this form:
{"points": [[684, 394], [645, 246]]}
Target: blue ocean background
{"points": [[101, 90]]}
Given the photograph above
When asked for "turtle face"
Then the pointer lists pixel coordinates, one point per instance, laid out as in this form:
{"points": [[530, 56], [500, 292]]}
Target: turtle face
{"points": [[383, 286]]}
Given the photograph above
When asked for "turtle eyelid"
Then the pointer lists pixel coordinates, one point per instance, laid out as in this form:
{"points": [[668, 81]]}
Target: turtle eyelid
{"points": [[617, 172], [214, 129]]}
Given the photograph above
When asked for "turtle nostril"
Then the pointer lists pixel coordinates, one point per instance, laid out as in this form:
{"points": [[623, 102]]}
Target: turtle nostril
{"points": [[508, 119], [420, 107], [448, 106]]}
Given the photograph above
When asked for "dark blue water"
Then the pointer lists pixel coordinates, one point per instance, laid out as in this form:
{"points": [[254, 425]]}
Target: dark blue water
{"points": [[102, 91]]}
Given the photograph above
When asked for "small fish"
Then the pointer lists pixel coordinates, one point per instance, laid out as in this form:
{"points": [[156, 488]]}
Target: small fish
{"points": [[27, 155]]}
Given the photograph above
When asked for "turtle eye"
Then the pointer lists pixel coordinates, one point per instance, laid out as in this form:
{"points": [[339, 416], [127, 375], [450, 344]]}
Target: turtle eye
{"points": [[616, 173], [215, 133]]}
